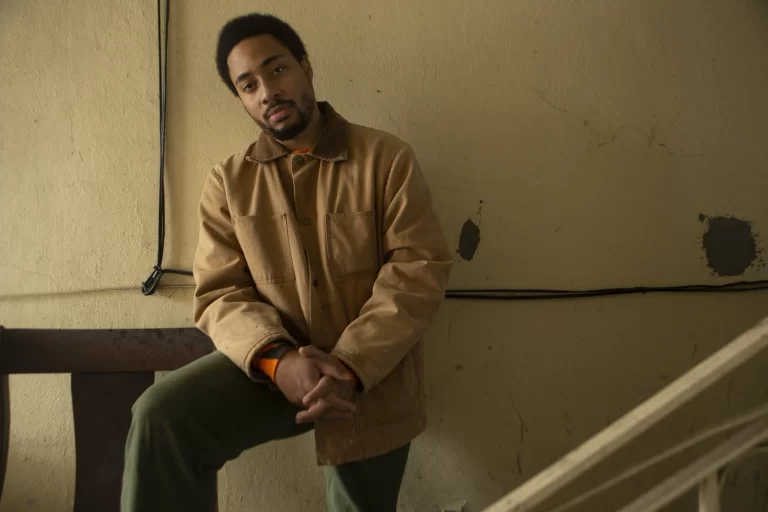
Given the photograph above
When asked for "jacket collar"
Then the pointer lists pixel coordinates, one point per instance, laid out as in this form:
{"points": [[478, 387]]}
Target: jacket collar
{"points": [[331, 146]]}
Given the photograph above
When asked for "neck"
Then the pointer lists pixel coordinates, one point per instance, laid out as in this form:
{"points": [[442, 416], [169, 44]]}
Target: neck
{"points": [[308, 137]]}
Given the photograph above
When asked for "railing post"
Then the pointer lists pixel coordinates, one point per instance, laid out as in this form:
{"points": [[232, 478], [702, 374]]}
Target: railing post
{"points": [[709, 494]]}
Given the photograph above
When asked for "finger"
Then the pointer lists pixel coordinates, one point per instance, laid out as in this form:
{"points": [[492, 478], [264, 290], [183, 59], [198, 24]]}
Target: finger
{"points": [[329, 414], [324, 386], [322, 410], [313, 352], [310, 415], [315, 412], [326, 363], [339, 403], [334, 370], [324, 391]]}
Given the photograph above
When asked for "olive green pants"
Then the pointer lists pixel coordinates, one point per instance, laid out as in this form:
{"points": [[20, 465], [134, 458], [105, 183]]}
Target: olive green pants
{"points": [[192, 421]]}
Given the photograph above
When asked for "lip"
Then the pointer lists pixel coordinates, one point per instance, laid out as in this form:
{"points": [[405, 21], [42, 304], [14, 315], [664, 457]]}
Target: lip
{"points": [[279, 113]]}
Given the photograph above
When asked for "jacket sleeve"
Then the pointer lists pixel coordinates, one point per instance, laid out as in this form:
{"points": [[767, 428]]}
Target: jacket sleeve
{"points": [[226, 305], [411, 283]]}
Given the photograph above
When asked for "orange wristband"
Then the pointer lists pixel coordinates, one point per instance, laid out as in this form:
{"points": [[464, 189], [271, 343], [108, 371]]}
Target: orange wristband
{"points": [[268, 358]]}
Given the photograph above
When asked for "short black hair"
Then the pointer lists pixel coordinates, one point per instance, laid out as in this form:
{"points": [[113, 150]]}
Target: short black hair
{"points": [[252, 25]]}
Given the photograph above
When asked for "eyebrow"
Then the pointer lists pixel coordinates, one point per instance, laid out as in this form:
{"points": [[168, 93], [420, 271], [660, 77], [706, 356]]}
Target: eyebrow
{"points": [[264, 63]]}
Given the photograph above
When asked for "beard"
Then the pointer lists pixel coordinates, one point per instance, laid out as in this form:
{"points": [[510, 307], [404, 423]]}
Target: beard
{"points": [[304, 110]]}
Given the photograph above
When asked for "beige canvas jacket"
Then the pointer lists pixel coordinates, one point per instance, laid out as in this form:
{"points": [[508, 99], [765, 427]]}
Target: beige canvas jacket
{"points": [[339, 248]]}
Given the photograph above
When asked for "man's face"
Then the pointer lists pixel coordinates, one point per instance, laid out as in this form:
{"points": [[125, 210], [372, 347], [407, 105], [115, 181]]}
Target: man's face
{"points": [[275, 89]]}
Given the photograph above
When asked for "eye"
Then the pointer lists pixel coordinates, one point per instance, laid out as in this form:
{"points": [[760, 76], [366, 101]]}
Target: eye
{"points": [[279, 69], [247, 87]]}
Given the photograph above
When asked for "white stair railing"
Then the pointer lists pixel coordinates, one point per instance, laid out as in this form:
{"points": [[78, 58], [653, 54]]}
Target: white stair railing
{"points": [[703, 472]]}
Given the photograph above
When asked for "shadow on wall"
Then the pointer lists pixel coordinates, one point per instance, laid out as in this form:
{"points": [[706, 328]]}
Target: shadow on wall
{"points": [[37, 482]]}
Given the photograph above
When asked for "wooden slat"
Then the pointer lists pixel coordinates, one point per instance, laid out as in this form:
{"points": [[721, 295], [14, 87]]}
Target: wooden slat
{"points": [[100, 350], [635, 422], [101, 406]]}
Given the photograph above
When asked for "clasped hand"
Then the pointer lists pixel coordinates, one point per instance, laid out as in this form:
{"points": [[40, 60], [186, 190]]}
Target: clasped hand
{"points": [[317, 382]]}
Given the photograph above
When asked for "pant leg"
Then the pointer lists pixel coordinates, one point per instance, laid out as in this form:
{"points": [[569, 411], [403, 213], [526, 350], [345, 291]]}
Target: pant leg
{"points": [[188, 424], [370, 485]]}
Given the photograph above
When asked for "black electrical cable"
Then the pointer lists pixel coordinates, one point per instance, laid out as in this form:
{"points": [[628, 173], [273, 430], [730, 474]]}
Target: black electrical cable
{"points": [[534, 294], [149, 286]]}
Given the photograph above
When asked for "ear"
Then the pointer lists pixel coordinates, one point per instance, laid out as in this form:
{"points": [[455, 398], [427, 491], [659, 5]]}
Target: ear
{"points": [[307, 67]]}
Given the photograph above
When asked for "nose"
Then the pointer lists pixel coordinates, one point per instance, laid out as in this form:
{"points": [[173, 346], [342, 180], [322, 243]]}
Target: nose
{"points": [[271, 93]]}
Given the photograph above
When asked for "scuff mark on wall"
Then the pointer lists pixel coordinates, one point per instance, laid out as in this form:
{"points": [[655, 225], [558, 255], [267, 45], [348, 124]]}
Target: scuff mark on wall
{"points": [[605, 142], [568, 422], [469, 240], [523, 426], [730, 245], [651, 136]]}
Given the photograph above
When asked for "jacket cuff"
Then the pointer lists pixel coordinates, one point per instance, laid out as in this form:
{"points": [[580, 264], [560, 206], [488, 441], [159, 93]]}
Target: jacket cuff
{"points": [[249, 363]]}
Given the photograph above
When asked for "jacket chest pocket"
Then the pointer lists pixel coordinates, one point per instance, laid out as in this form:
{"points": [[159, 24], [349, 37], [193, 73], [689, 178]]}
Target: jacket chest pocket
{"points": [[351, 242], [264, 241]]}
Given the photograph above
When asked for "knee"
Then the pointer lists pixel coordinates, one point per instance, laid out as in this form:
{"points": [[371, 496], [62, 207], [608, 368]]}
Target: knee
{"points": [[154, 407]]}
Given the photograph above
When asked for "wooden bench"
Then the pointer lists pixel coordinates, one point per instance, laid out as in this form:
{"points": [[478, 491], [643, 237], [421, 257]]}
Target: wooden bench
{"points": [[110, 369]]}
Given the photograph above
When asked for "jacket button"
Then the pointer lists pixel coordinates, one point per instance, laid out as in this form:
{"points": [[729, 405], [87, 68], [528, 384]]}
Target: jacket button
{"points": [[299, 160], [315, 283], [306, 222]]}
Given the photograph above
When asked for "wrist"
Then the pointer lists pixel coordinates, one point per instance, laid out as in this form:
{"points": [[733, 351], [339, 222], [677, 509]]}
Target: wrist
{"points": [[285, 358]]}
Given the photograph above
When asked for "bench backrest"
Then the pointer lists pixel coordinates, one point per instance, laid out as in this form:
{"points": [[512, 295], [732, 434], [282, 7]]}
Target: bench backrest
{"points": [[110, 370]]}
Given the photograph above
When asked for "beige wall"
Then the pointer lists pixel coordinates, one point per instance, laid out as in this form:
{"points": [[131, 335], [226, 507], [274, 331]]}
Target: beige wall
{"points": [[593, 132]]}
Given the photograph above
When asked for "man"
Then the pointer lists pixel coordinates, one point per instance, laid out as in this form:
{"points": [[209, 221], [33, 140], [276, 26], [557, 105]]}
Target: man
{"points": [[319, 267]]}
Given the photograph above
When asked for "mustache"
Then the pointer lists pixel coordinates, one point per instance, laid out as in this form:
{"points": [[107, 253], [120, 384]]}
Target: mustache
{"points": [[278, 103]]}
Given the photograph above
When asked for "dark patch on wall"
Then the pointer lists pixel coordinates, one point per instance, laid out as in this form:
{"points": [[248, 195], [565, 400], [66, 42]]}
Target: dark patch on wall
{"points": [[469, 240], [730, 246]]}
